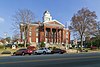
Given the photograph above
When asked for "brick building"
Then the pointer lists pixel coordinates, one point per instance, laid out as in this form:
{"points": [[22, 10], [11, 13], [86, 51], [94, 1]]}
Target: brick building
{"points": [[50, 31]]}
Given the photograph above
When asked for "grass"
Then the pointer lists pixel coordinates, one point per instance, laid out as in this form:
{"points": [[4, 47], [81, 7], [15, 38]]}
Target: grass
{"points": [[8, 49]]}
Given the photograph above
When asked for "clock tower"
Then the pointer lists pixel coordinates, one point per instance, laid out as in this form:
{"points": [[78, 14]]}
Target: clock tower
{"points": [[46, 16]]}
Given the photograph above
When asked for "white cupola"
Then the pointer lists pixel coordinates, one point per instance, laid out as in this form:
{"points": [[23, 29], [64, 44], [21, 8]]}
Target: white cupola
{"points": [[46, 16]]}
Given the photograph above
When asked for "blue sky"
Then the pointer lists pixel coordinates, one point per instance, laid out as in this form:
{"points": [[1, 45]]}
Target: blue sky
{"points": [[61, 10]]}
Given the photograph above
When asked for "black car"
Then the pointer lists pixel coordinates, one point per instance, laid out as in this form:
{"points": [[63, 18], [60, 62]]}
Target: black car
{"points": [[60, 51]]}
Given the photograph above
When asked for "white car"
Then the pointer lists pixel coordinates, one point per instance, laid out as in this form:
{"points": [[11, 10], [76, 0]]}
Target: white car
{"points": [[42, 51]]}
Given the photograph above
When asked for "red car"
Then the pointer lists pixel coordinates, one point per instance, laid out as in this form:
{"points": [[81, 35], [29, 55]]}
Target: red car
{"points": [[60, 51], [93, 47], [23, 52]]}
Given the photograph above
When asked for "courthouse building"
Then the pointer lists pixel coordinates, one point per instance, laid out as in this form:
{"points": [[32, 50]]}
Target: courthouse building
{"points": [[49, 31]]}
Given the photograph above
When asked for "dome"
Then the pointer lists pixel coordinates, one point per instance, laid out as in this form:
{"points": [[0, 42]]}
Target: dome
{"points": [[46, 12]]}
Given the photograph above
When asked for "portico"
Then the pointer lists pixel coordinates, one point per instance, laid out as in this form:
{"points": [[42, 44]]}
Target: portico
{"points": [[53, 35]]}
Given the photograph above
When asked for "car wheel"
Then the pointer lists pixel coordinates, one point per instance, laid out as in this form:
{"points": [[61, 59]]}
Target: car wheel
{"points": [[60, 52], [52, 52], [44, 52], [14, 54], [36, 53], [23, 54], [29, 54]]}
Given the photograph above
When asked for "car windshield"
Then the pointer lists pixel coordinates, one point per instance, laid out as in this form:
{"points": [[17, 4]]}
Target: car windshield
{"points": [[41, 49]]}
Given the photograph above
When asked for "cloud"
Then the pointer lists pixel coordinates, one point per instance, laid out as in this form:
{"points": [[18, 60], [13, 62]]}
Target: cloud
{"points": [[1, 19]]}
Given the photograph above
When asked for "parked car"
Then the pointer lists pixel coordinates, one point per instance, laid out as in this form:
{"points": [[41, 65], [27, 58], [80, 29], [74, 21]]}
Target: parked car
{"points": [[23, 52], [93, 47], [42, 51], [57, 50]]}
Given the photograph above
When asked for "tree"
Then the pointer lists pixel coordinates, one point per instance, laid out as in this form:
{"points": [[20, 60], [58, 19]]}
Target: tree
{"points": [[97, 35], [8, 39], [15, 38], [23, 19], [3, 40], [84, 23]]}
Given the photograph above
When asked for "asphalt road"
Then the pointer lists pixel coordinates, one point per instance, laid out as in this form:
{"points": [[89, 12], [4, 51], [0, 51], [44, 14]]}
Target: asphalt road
{"points": [[55, 60]]}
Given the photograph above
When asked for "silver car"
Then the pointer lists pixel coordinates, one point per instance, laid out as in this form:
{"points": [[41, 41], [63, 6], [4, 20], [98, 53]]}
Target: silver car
{"points": [[42, 51]]}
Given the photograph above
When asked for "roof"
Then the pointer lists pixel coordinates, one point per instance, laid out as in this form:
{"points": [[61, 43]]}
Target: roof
{"points": [[57, 22]]}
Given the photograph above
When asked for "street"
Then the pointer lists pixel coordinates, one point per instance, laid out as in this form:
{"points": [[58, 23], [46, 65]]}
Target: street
{"points": [[55, 60]]}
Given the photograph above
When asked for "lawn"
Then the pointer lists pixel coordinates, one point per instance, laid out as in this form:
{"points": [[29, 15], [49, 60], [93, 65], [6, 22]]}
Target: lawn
{"points": [[8, 49]]}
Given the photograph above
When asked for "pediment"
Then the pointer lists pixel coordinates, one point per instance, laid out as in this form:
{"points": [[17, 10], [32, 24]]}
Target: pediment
{"points": [[54, 22]]}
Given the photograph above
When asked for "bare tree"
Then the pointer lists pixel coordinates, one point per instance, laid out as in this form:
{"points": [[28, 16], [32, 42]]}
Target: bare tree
{"points": [[15, 38], [84, 22], [23, 19]]}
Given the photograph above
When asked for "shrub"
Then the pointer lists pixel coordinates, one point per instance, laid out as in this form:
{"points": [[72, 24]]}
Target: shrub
{"points": [[20, 45], [6, 52], [73, 46], [27, 45], [42, 44]]}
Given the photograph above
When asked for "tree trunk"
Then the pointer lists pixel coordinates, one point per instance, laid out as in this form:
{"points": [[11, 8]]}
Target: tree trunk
{"points": [[25, 43], [81, 42], [25, 36]]}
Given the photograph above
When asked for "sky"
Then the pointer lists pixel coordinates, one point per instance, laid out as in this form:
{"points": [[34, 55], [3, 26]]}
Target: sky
{"points": [[61, 10]]}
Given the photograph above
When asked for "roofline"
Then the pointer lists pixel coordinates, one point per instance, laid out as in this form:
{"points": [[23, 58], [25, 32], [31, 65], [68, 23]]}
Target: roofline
{"points": [[59, 23], [56, 21], [35, 24]]}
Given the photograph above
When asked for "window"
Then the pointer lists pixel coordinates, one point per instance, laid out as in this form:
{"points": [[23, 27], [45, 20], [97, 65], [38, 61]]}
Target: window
{"points": [[37, 40], [37, 31], [30, 33]]}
